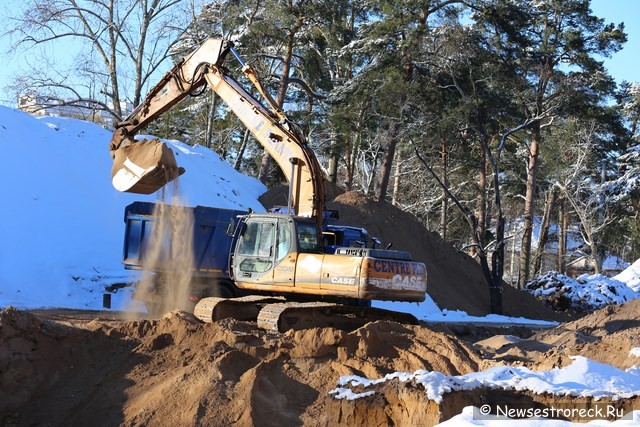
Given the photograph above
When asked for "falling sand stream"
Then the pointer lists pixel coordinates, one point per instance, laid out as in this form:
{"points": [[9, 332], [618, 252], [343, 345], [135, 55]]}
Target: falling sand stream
{"points": [[169, 258]]}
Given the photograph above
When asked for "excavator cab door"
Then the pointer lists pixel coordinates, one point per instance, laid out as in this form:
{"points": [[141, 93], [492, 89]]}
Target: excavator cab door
{"points": [[254, 254], [265, 252]]}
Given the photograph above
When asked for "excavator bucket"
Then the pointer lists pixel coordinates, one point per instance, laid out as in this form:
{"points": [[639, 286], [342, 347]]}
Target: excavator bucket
{"points": [[144, 167]]}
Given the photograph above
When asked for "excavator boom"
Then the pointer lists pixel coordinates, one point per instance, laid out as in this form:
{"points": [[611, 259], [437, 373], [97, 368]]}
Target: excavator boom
{"points": [[145, 166]]}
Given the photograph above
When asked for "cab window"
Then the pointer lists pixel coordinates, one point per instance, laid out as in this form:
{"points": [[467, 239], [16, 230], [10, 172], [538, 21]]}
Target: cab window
{"points": [[284, 240], [256, 247], [307, 237]]}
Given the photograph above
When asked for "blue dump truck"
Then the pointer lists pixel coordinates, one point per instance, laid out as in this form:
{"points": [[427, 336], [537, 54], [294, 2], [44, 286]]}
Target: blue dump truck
{"points": [[213, 230]]}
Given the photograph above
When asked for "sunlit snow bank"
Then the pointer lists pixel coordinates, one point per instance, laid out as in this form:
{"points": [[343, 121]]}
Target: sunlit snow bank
{"points": [[430, 312], [62, 222], [631, 276], [583, 378]]}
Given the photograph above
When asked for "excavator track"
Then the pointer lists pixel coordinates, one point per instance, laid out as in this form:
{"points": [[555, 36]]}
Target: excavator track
{"points": [[245, 308], [294, 315]]}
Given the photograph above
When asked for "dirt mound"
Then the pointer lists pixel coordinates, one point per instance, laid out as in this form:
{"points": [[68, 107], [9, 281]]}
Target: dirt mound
{"points": [[277, 195], [53, 372], [178, 371], [606, 335], [30, 357], [454, 279]]}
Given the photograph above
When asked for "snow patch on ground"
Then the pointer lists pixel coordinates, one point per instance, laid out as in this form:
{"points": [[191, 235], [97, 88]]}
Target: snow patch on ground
{"points": [[583, 378], [631, 276]]}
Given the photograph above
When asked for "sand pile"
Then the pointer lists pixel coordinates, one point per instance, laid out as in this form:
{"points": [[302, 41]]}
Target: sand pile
{"points": [[30, 358], [606, 335], [177, 371], [454, 279], [37, 357]]}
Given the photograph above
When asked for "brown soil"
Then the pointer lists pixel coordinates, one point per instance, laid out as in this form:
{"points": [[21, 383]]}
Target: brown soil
{"points": [[96, 368], [178, 371], [606, 335]]}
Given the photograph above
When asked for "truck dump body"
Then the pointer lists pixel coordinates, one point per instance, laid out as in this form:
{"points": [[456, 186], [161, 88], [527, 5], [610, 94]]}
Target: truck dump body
{"points": [[211, 245]]}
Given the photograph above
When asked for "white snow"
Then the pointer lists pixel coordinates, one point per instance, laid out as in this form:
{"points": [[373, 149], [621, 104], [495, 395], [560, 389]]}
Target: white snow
{"points": [[583, 378], [588, 291], [62, 222], [631, 276]]}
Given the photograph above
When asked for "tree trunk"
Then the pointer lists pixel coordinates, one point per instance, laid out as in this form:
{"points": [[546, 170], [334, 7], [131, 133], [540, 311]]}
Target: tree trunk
{"points": [[396, 179], [445, 178], [481, 201], [348, 156], [113, 70], [529, 206], [497, 267], [543, 236], [334, 158], [563, 224], [387, 162], [243, 146], [265, 164]]}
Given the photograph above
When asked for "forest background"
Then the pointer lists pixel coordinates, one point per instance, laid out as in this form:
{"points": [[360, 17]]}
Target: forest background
{"points": [[496, 122]]}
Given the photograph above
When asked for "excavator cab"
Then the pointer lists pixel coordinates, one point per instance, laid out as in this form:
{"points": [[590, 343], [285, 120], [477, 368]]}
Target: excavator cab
{"points": [[144, 166]]}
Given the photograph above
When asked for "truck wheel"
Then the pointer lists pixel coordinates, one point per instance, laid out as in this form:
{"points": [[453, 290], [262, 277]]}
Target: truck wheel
{"points": [[222, 290]]}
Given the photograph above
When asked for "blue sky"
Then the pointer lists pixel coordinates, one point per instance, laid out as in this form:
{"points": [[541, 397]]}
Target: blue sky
{"points": [[622, 65]]}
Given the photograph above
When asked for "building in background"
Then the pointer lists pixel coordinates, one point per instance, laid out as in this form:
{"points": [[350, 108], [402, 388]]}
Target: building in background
{"points": [[45, 106]]}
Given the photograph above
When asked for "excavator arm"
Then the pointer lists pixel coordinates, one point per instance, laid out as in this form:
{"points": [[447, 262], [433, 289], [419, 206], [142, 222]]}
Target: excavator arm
{"points": [[145, 166]]}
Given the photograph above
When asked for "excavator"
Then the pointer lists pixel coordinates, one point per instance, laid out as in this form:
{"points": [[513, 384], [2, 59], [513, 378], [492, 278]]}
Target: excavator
{"points": [[288, 267]]}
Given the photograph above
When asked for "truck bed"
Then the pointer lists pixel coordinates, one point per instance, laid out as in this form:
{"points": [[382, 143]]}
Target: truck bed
{"points": [[211, 244]]}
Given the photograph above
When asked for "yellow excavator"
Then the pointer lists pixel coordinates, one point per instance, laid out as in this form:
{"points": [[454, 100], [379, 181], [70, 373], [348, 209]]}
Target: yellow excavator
{"points": [[270, 255]]}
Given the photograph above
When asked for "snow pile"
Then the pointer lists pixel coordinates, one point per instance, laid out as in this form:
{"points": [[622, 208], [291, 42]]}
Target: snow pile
{"points": [[587, 292], [583, 378], [429, 311], [62, 225], [631, 276]]}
